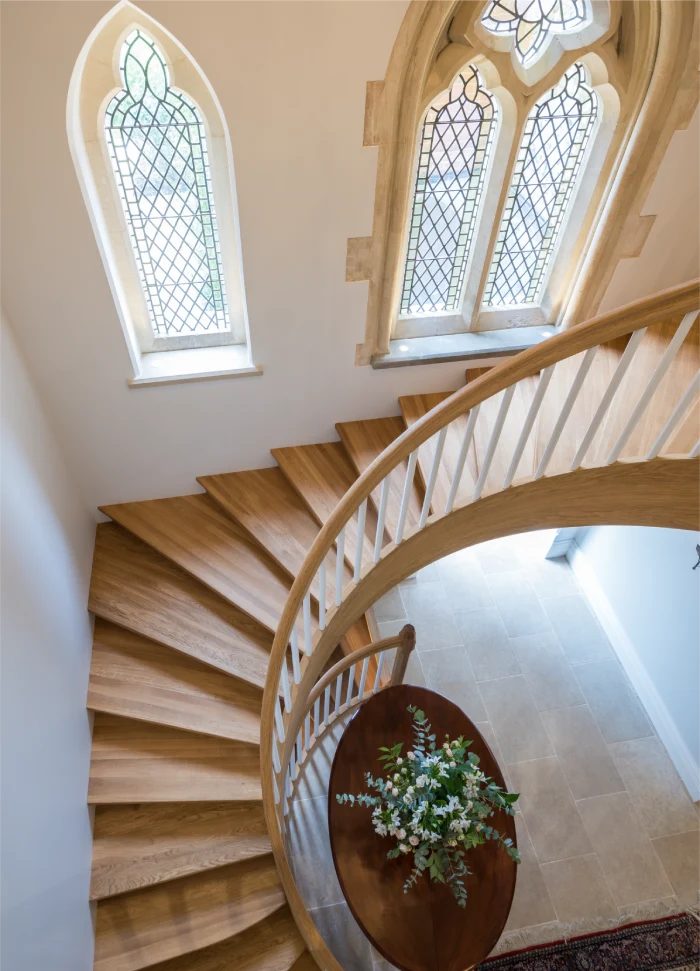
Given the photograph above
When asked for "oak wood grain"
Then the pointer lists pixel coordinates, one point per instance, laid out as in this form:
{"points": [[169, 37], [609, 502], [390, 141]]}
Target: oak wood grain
{"points": [[413, 408], [139, 678], [273, 944], [144, 844], [195, 533], [322, 474], [135, 761], [365, 441], [137, 588], [138, 929]]}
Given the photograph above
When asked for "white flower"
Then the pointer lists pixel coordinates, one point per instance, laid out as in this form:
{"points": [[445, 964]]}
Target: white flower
{"points": [[404, 848], [411, 756], [479, 827], [410, 790], [445, 744], [452, 842], [407, 799], [404, 770], [401, 835], [396, 776], [421, 781], [454, 744], [394, 792], [453, 765], [413, 840], [399, 761], [448, 753]]}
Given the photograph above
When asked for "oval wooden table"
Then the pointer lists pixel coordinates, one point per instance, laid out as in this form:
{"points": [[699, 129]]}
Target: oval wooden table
{"points": [[425, 929]]}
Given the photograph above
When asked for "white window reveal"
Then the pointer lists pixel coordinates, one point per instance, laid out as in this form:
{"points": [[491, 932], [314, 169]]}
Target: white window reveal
{"points": [[158, 148], [552, 149], [454, 150], [534, 23]]}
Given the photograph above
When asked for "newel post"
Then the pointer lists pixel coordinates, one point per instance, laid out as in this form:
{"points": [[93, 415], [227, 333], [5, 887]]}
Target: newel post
{"points": [[403, 652]]}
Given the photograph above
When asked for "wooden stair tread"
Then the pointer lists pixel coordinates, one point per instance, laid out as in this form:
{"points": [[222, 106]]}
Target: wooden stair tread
{"points": [[517, 413], [141, 845], [414, 407], [266, 505], [139, 678], [139, 929], [666, 396], [273, 944], [322, 474], [193, 532], [137, 588], [134, 761], [364, 441]]}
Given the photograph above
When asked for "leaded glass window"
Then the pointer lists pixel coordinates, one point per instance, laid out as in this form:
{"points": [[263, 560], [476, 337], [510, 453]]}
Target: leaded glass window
{"points": [[158, 149], [533, 22], [455, 145], [549, 159]]}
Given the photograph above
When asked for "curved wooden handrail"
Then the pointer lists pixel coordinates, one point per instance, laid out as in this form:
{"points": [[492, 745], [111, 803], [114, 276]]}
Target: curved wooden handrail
{"points": [[669, 305]]}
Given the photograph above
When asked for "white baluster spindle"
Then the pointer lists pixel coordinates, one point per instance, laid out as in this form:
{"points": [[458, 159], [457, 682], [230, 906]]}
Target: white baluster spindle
{"points": [[675, 417], [322, 595], [381, 516], [462, 457], [573, 394], [361, 515], [493, 441], [542, 384], [363, 677], [432, 478], [378, 675], [339, 566], [308, 643], [406, 496], [294, 644]]}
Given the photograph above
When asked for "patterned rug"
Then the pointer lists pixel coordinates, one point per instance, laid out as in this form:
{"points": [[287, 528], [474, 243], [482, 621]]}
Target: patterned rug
{"points": [[671, 944]]}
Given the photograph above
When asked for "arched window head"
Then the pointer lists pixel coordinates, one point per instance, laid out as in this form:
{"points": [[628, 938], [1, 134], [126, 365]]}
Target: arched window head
{"points": [[454, 150], [533, 23], [556, 134], [153, 157], [158, 149]]}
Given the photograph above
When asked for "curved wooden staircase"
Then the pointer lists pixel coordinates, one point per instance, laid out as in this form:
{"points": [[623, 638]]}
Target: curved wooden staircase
{"points": [[187, 594]]}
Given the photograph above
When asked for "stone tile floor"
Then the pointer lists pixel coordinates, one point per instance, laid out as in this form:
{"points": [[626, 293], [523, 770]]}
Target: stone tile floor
{"points": [[606, 829]]}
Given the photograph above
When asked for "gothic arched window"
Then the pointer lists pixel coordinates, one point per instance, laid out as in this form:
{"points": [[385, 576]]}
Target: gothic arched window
{"points": [[454, 154], [158, 149], [153, 157], [555, 137]]}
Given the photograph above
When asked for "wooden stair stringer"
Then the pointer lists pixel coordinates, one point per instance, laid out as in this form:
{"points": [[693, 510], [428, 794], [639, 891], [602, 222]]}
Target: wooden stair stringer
{"points": [[144, 844], [142, 679], [135, 587]]}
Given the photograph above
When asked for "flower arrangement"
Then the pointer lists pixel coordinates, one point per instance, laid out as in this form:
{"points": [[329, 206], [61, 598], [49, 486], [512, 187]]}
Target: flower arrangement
{"points": [[435, 803]]}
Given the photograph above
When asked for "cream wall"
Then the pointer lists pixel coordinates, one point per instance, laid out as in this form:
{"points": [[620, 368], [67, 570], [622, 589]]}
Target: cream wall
{"points": [[291, 79], [47, 541]]}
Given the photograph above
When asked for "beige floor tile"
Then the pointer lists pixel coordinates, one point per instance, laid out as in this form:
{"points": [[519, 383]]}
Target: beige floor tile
{"points": [[346, 940], [577, 888], [414, 671], [515, 719], [626, 855], [680, 858], [578, 631], [488, 733], [487, 643], [497, 556], [427, 608], [659, 796], [464, 582], [310, 849], [551, 578], [517, 603], [449, 673], [614, 704], [390, 607], [583, 754], [427, 574], [550, 812], [552, 682], [389, 628], [531, 903]]}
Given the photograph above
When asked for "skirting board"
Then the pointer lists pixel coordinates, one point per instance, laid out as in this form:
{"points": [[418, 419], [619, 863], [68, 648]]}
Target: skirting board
{"points": [[680, 754]]}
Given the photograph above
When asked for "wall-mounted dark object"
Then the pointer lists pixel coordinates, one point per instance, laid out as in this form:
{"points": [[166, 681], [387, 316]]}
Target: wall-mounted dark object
{"points": [[697, 550]]}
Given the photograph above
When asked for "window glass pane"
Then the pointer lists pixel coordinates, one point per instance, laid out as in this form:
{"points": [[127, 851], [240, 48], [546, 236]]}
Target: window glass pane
{"points": [[554, 140], [454, 152], [159, 155], [534, 22]]}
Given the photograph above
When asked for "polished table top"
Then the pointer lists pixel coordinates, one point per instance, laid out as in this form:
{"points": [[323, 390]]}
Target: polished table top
{"points": [[425, 929]]}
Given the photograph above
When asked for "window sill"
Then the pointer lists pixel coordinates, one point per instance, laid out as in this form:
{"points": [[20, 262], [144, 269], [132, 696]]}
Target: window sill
{"points": [[194, 364], [485, 348]]}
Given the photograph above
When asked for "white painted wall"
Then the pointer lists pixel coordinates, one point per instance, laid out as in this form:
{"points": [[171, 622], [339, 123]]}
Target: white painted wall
{"points": [[647, 596], [291, 77], [47, 540]]}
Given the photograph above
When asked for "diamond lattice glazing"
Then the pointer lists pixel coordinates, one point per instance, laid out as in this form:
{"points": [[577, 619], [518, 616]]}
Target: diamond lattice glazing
{"points": [[455, 146], [533, 22], [159, 155], [549, 159]]}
